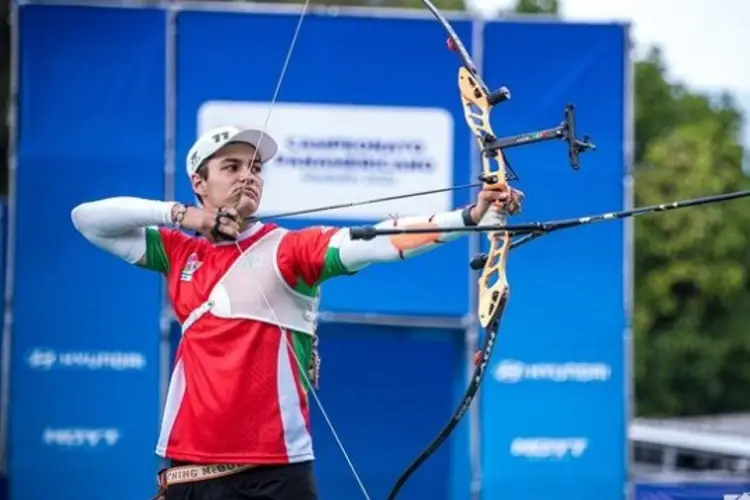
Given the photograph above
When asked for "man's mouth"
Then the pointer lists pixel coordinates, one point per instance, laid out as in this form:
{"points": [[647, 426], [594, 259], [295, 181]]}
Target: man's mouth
{"points": [[250, 193]]}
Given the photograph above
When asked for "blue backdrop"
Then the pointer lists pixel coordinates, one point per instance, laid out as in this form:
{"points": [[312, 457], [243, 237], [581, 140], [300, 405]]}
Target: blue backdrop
{"points": [[84, 386], [690, 490], [553, 408], [86, 326]]}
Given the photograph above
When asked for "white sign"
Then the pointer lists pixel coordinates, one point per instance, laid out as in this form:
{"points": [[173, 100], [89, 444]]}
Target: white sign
{"points": [[80, 437], [46, 359], [511, 371], [743, 496], [337, 154], [548, 448]]}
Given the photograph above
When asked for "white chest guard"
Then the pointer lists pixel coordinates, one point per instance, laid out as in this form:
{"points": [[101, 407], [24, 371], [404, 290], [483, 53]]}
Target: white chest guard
{"points": [[254, 289]]}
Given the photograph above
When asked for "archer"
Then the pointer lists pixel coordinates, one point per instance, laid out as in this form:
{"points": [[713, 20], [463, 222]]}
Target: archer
{"points": [[246, 295]]}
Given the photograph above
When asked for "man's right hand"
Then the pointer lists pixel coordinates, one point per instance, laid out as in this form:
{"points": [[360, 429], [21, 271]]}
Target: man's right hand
{"points": [[204, 221]]}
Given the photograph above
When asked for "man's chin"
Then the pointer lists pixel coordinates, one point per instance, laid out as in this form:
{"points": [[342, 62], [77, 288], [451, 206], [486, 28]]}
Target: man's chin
{"points": [[247, 206]]}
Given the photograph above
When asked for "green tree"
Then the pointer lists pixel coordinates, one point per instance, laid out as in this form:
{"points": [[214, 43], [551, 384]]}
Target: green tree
{"points": [[692, 298], [691, 267], [548, 7]]}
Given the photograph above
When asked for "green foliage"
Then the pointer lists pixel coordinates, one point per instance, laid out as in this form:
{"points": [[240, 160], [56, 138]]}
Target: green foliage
{"points": [[691, 266], [548, 7], [444, 5], [692, 274]]}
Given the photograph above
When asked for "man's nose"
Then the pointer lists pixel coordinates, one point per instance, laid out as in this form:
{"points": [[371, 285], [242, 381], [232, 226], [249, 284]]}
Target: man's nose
{"points": [[246, 176]]}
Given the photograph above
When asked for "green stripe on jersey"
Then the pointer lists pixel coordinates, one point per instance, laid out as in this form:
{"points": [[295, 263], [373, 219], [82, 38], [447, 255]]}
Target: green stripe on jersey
{"points": [[302, 346], [332, 267], [303, 343], [156, 256]]}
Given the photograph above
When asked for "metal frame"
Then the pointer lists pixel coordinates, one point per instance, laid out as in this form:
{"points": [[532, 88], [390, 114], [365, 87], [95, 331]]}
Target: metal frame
{"points": [[113, 4], [329, 11], [170, 124], [628, 185], [435, 322], [10, 251]]}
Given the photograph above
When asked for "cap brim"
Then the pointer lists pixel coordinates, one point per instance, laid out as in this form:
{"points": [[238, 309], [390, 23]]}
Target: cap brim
{"points": [[263, 143]]}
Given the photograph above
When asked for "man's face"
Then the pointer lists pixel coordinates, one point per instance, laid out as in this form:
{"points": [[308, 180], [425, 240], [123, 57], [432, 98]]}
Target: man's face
{"points": [[234, 179]]}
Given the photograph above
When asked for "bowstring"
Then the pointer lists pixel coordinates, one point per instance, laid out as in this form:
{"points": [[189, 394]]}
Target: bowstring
{"points": [[303, 371], [290, 348]]}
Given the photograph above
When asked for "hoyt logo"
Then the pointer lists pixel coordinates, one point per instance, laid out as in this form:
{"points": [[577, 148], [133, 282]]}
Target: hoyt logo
{"points": [[548, 448], [80, 437]]}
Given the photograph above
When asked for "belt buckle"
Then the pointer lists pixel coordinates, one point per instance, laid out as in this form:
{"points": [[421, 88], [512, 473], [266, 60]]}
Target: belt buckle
{"points": [[161, 479]]}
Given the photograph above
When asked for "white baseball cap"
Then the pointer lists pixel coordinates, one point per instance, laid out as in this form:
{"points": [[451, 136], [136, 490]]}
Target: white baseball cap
{"points": [[213, 140]]}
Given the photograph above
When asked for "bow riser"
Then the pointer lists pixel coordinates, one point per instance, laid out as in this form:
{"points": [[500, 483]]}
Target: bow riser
{"points": [[477, 107], [493, 282], [493, 285]]}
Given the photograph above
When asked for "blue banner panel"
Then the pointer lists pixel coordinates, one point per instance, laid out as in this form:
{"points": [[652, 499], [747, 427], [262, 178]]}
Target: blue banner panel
{"points": [[387, 392], [84, 396], [692, 491], [357, 117], [554, 414]]}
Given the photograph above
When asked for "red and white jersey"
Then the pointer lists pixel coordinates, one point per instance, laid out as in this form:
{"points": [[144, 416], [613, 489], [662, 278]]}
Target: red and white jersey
{"points": [[238, 390]]}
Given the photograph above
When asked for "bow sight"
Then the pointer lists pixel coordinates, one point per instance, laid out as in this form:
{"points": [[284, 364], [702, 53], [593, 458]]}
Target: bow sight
{"points": [[565, 131]]}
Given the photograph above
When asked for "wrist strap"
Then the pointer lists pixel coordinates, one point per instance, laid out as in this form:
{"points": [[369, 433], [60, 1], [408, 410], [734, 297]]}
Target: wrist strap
{"points": [[466, 215], [179, 216]]}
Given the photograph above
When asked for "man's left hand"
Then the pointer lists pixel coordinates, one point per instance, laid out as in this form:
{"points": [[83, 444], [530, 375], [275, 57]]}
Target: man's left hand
{"points": [[504, 198]]}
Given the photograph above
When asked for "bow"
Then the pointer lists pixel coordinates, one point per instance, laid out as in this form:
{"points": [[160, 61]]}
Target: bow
{"points": [[496, 173], [494, 290]]}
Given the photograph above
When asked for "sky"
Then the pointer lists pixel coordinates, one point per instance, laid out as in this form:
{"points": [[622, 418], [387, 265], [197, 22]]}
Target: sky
{"points": [[706, 42]]}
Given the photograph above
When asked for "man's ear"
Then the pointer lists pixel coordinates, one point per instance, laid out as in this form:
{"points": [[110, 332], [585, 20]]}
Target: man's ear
{"points": [[199, 185]]}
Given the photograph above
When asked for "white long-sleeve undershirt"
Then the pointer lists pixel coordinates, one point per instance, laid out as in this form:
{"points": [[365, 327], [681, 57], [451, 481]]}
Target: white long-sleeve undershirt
{"points": [[118, 225], [358, 254]]}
